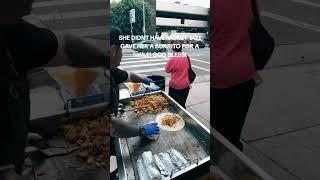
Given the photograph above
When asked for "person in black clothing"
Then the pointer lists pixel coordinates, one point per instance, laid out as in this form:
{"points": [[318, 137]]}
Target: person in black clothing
{"points": [[118, 76], [24, 47], [120, 128]]}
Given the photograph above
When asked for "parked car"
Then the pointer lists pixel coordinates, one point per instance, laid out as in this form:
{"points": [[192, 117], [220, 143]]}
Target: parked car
{"points": [[147, 46]]}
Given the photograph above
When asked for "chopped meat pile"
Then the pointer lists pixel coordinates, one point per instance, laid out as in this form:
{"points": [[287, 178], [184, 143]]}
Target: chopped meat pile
{"points": [[149, 104], [91, 134], [170, 120]]}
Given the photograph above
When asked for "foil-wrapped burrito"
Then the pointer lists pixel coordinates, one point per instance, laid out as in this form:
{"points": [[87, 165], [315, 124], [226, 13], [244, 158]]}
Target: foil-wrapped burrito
{"points": [[161, 166], [166, 160], [178, 159], [143, 175], [147, 158], [156, 167], [152, 170]]}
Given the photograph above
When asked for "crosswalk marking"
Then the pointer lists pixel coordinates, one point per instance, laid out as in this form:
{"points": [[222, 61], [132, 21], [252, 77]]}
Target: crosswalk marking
{"points": [[291, 21], [157, 69], [151, 64], [307, 3], [126, 56], [63, 2], [137, 60], [142, 61], [143, 65], [148, 70], [133, 58], [83, 32], [73, 14], [204, 69], [162, 69], [70, 14], [200, 60]]}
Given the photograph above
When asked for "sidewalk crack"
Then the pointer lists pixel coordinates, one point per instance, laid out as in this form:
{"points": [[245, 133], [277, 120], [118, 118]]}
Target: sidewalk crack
{"points": [[275, 162], [315, 61], [283, 133]]}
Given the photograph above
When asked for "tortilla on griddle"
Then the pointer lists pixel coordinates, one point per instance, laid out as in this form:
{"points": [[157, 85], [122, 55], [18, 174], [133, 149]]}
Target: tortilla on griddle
{"points": [[75, 80], [176, 127], [134, 87]]}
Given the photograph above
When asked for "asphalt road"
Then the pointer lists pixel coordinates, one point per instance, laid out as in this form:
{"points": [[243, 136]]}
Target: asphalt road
{"points": [[292, 21], [85, 18], [200, 60]]}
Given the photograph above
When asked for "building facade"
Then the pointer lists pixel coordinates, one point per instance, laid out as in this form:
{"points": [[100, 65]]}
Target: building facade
{"points": [[181, 19]]}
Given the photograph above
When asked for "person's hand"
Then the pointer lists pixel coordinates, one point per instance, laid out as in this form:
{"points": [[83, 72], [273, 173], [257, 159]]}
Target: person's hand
{"points": [[151, 129], [147, 81]]}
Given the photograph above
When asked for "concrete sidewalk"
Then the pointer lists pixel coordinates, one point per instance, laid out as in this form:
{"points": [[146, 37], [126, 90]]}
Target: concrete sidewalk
{"points": [[282, 129], [198, 102]]}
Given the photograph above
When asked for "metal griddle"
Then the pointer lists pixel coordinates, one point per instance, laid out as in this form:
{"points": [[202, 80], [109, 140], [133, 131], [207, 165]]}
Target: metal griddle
{"points": [[193, 141]]}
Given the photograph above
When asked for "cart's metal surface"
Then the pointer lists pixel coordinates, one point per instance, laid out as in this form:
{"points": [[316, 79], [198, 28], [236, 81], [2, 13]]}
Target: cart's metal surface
{"points": [[231, 162], [63, 166], [193, 141]]}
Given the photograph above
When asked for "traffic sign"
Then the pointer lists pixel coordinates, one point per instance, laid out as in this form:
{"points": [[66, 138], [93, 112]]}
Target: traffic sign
{"points": [[132, 16]]}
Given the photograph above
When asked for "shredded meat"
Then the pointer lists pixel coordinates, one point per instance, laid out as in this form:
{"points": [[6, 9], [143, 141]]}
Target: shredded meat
{"points": [[170, 120], [91, 134], [149, 104]]}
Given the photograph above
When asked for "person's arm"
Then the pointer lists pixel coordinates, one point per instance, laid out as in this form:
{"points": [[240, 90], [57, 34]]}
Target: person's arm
{"points": [[135, 78], [75, 51], [121, 129]]}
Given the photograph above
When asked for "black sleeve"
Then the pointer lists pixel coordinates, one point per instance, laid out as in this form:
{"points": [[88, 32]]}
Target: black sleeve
{"points": [[31, 46], [119, 76]]}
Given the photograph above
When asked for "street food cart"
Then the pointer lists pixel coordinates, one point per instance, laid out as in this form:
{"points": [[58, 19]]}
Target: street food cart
{"points": [[231, 163], [55, 157], [193, 141]]}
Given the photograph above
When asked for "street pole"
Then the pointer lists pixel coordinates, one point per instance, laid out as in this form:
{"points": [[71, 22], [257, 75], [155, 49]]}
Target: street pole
{"points": [[144, 20], [132, 20], [131, 32]]}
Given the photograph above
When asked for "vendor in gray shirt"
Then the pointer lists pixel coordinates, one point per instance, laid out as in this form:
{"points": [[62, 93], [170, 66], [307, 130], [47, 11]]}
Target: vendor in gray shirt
{"points": [[118, 76]]}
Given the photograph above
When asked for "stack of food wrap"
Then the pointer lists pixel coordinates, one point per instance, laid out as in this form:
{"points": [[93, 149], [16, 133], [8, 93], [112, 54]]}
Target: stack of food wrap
{"points": [[160, 166]]}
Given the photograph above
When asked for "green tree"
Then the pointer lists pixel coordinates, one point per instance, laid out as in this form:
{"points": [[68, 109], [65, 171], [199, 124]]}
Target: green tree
{"points": [[120, 16]]}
